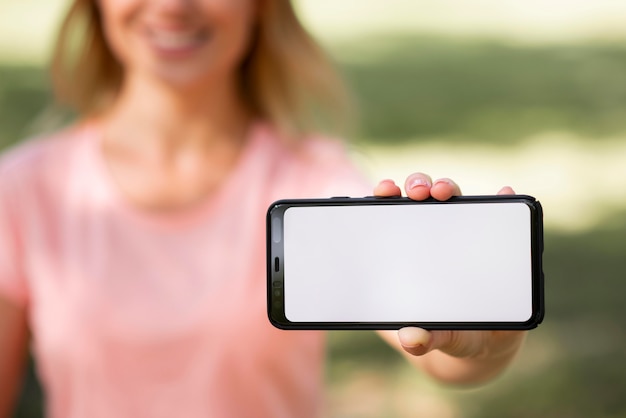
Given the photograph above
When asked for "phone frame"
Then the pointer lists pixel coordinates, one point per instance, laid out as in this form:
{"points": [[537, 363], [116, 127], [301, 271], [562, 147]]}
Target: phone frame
{"points": [[275, 274]]}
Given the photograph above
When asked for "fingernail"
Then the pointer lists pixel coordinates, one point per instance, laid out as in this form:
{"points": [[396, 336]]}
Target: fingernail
{"points": [[418, 182], [412, 338], [443, 181]]}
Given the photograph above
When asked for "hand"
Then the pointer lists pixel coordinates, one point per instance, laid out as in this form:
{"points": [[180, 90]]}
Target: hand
{"points": [[490, 350]]}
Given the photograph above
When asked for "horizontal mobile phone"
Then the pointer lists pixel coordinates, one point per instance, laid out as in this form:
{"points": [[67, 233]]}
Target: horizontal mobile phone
{"points": [[471, 262]]}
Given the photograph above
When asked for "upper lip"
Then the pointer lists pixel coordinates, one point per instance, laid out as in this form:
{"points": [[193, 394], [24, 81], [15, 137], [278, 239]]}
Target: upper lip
{"points": [[170, 36]]}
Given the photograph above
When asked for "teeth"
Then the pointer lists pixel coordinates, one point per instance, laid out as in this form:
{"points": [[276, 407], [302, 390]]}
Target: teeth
{"points": [[178, 39]]}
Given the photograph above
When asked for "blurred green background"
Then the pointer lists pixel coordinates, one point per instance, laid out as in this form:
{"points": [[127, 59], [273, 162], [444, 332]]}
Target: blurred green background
{"points": [[491, 93]]}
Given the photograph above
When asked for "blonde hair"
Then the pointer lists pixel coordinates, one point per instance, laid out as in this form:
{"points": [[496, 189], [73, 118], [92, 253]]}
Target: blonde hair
{"points": [[286, 77]]}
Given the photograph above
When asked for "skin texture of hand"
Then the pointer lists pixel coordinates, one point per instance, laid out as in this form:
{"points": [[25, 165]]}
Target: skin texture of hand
{"points": [[456, 357]]}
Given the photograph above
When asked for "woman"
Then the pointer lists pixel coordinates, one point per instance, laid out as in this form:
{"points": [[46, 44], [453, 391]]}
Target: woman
{"points": [[133, 241]]}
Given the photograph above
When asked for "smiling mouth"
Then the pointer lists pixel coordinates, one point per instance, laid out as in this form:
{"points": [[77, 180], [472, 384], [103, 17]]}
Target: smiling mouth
{"points": [[173, 41]]}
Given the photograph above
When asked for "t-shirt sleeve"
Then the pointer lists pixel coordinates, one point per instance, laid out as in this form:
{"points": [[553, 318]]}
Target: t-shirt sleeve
{"points": [[12, 280]]}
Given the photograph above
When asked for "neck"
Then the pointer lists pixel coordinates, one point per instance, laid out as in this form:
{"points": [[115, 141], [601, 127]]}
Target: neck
{"points": [[149, 114], [168, 149]]}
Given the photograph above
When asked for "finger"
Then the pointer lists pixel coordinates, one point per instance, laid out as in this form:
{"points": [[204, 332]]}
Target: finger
{"points": [[418, 341], [417, 186], [459, 343], [444, 189], [506, 190], [387, 188]]}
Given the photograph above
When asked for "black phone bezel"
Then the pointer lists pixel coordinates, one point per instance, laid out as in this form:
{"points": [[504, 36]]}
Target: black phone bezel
{"points": [[275, 294]]}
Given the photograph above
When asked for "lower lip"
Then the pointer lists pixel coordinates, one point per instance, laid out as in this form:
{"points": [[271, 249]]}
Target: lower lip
{"points": [[177, 52]]}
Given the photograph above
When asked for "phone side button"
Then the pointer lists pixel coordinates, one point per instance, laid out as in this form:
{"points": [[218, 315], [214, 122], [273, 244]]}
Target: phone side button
{"points": [[340, 197]]}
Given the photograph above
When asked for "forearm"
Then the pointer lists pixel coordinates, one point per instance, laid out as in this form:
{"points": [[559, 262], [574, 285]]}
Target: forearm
{"points": [[9, 391], [13, 353]]}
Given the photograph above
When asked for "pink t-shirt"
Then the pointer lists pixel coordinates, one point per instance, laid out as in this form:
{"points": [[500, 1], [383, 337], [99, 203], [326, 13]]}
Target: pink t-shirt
{"points": [[136, 314]]}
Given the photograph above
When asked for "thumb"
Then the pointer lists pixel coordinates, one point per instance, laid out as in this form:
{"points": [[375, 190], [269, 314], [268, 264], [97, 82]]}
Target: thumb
{"points": [[418, 341]]}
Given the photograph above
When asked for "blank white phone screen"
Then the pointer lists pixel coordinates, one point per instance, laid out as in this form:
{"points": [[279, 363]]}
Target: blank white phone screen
{"points": [[408, 263]]}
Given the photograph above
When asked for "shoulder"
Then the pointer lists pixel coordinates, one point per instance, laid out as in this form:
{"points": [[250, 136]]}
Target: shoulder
{"points": [[39, 168], [318, 164], [38, 154], [310, 150]]}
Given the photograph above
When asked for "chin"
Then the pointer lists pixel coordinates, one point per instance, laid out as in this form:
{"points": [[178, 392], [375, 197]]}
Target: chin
{"points": [[185, 78]]}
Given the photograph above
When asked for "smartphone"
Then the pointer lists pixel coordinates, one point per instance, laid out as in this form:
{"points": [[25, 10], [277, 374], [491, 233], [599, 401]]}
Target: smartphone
{"points": [[471, 262]]}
